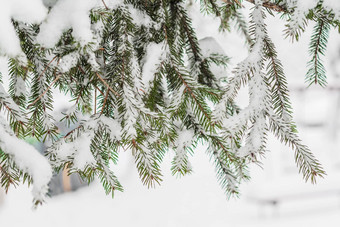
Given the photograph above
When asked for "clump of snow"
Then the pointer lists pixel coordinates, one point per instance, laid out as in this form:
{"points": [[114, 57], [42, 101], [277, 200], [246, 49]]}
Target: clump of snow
{"points": [[297, 20], [113, 4], [79, 149], [210, 46], [20, 87], [64, 15], [334, 6], [131, 113], [114, 127], [155, 54], [176, 97], [92, 60], [28, 159], [50, 3], [32, 11], [68, 61], [185, 137], [305, 5], [139, 17], [83, 155]]}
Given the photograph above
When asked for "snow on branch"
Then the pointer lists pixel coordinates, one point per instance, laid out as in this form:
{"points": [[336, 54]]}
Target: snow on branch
{"points": [[142, 81], [28, 160]]}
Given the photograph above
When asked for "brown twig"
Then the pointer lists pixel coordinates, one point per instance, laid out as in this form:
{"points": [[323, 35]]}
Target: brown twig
{"points": [[107, 85], [73, 130], [104, 82], [95, 101], [47, 66], [106, 96], [102, 93], [80, 94], [105, 4]]}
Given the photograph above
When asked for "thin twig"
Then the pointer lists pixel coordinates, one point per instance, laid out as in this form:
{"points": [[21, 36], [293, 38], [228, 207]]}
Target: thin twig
{"points": [[49, 87], [102, 93], [106, 84], [106, 96], [95, 101], [47, 66], [105, 4], [80, 94], [73, 130]]}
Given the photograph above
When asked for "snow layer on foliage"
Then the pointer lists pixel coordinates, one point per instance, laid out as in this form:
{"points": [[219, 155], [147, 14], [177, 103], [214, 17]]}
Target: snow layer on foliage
{"points": [[251, 63], [113, 4], [302, 5], [114, 127], [28, 159], [305, 5], [301, 8], [20, 87], [185, 138], [50, 3], [83, 155], [131, 113], [333, 5], [68, 61], [6, 100], [32, 11], [155, 54], [210, 46], [257, 87], [139, 17], [66, 14], [80, 148]]}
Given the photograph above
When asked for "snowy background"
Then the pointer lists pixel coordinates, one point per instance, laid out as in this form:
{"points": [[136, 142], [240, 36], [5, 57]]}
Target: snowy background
{"points": [[197, 199]]}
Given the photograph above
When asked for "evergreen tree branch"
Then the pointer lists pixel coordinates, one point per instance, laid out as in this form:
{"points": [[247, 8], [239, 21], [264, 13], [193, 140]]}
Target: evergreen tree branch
{"points": [[46, 90], [316, 73]]}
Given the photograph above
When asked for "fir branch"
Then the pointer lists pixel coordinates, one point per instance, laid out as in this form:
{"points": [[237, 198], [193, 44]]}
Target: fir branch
{"points": [[180, 104], [7, 178], [242, 26], [278, 82], [305, 160], [316, 73], [46, 90]]}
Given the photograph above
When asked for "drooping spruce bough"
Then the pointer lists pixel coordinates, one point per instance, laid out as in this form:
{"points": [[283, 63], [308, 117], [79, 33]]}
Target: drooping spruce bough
{"points": [[146, 86]]}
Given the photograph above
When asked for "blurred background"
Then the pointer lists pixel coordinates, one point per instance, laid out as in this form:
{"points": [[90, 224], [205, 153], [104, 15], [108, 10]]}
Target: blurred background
{"points": [[275, 196]]}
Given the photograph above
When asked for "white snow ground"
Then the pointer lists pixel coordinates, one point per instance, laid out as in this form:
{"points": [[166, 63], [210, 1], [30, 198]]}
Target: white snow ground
{"points": [[197, 200]]}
